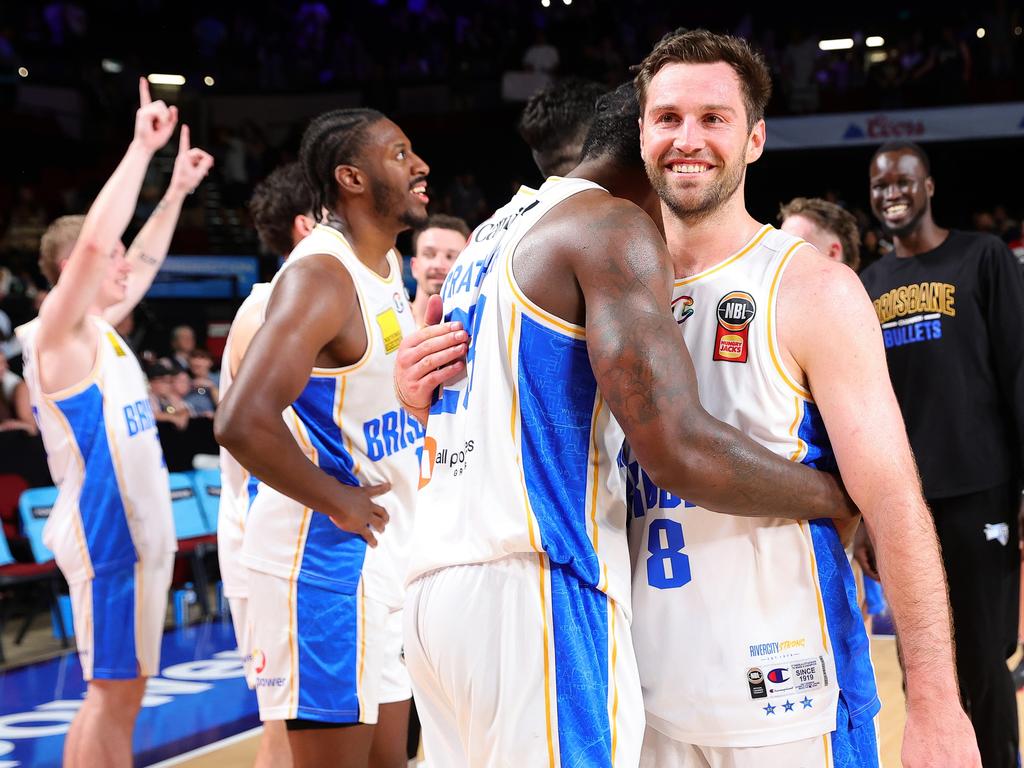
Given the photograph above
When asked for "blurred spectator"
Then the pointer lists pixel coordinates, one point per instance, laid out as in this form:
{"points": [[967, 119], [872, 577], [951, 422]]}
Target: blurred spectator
{"points": [[9, 344], [183, 341], [1017, 244], [15, 407], [167, 404], [203, 394], [435, 247]]}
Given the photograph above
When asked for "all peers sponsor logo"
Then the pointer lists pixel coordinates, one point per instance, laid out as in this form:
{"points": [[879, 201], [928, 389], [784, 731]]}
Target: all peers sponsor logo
{"points": [[735, 312]]}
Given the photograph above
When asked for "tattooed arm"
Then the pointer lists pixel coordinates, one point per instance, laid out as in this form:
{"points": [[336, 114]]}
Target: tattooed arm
{"points": [[623, 272], [149, 248]]}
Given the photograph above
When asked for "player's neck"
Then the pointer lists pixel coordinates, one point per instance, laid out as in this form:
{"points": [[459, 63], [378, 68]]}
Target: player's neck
{"points": [[699, 244], [927, 237], [369, 241]]}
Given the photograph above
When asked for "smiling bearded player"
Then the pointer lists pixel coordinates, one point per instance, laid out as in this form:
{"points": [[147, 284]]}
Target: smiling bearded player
{"points": [[750, 646], [324, 592]]}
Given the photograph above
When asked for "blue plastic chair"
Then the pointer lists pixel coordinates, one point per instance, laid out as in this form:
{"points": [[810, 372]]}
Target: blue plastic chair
{"points": [[207, 482], [34, 507], [193, 532]]}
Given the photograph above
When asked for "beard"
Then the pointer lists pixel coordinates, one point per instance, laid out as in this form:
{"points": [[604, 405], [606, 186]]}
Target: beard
{"points": [[903, 230], [388, 203], [697, 206]]}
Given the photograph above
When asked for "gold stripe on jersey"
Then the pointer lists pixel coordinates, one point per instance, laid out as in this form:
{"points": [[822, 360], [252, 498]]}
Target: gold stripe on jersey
{"points": [[731, 260], [547, 664], [595, 459], [362, 649], [772, 341], [615, 678], [576, 331]]}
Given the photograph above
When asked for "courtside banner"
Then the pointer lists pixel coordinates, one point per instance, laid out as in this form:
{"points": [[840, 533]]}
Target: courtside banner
{"points": [[974, 121], [199, 697]]}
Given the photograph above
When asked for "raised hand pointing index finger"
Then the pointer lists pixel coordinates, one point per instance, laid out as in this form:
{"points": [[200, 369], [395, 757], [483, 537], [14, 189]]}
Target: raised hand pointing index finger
{"points": [[144, 97], [183, 140]]}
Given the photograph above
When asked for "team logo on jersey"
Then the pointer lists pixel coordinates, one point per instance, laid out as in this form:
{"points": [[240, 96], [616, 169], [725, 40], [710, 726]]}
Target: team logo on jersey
{"points": [[682, 308], [399, 302], [735, 311], [755, 680], [390, 329]]}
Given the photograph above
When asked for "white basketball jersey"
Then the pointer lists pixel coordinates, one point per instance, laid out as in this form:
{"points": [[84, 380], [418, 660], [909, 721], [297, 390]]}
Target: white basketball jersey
{"points": [[237, 486], [349, 423], [520, 453], [102, 446], [746, 629]]}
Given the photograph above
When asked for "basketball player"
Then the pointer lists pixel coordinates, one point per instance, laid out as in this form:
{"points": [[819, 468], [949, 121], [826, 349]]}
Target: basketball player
{"points": [[555, 121], [517, 617], [111, 528], [435, 246], [342, 462], [750, 645], [282, 211], [828, 227]]}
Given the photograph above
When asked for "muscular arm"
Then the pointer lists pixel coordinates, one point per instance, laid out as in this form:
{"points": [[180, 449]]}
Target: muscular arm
{"points": [[852, 390], [149, 248], [645, 374], [312, 302]]}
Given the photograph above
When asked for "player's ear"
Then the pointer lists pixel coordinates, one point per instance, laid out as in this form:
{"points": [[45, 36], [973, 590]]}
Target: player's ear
{"points": [[755, 144], [350, 179], [929, 186], [302, 225]]}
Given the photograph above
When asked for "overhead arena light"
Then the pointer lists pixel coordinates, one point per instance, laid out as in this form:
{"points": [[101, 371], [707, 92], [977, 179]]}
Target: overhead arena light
{"points": [[22, 71], [208, 80], [875, 41], [838, 44], [158, 79], [980, 33], [112, 66], [877, 57], [546, 3]]}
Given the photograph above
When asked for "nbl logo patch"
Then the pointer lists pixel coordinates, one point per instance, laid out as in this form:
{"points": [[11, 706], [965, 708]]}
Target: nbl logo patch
{"points": [[735, 311]]}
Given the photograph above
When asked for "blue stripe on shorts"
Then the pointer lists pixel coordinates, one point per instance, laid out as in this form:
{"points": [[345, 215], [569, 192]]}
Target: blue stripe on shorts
{"points": [[113, 625], [328, 643]]}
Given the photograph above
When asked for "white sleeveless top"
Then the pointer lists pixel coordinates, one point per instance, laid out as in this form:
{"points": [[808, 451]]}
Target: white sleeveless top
{"points": [[114, 504], [348, 422], [237, 486], [746, 630], [520, 453]]}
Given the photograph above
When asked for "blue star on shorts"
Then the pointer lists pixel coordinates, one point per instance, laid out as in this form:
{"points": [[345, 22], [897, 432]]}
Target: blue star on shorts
{"points": [[788, 706], [769, 710], [806, 702]]}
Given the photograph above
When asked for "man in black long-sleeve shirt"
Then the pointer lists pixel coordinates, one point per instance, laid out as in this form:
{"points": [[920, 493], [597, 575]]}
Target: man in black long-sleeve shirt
{"points": [[950, 304]]}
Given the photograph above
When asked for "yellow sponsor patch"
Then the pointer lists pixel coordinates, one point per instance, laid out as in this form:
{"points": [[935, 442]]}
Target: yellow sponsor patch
{"points": [[116, 344], [390, 330]]}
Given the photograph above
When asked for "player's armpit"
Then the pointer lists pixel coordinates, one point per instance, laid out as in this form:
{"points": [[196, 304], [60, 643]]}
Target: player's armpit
{"points": [[646, 376]]}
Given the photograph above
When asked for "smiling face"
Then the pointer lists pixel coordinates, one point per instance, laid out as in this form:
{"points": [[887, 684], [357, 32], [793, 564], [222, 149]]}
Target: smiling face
{"points": [[694, 137], [901, 191], [115, 282], [397, 175], [436, 251]]}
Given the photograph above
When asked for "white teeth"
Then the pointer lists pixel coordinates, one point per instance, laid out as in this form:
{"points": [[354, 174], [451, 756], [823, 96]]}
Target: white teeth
{"points": [[896, 210], [689, 168], [421, 190]]}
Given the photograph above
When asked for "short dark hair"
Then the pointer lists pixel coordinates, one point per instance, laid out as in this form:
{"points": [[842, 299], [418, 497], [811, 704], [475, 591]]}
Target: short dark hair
{"points": [[902, 145], [440, 221], [556, 118], [275, 203], [332, 139], [615, 132], [699, 46], [831, 217]]}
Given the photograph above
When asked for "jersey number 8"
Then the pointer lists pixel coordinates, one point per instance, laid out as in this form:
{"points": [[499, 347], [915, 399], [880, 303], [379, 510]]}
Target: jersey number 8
{"points": [[667, 567]]}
